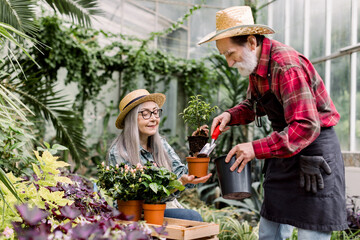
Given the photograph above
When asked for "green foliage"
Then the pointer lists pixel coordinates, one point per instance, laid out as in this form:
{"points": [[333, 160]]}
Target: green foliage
{"points": [[21, 13], [33, 191], [47, 105], [198, 112], [150, 183], [159, 183]]}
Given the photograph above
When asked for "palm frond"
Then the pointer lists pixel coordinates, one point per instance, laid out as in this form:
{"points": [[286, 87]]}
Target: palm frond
{"points": [[66, 122], [79, 10], [6, 34], [19, 14]]}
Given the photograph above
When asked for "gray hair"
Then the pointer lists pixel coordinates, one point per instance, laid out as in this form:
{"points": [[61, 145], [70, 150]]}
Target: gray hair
{"points": [[127, 142]]}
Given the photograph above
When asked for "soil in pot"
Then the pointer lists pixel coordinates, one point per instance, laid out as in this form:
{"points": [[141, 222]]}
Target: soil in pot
{"points": [[198, 166], [131, 208], [233, 185], [196, 143], [154, 213]]}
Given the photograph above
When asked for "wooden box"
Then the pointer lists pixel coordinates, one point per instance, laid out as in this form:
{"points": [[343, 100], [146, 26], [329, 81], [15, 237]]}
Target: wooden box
{"points": [[186, 229]]}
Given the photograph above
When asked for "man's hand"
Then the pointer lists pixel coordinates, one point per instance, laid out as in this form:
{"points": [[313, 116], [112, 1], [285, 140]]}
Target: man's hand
{"points": [[244, 154], [310, 174], [185, 179], [223, 119]]}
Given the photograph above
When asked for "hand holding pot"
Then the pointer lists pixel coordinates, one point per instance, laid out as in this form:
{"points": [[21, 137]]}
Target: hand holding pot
{"points": [[223, 119], [244, 153], [185, 179], [204, 128]]}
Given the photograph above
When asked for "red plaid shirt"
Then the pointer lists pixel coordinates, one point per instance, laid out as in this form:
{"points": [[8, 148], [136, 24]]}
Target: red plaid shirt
{"points": [[300, 90]]}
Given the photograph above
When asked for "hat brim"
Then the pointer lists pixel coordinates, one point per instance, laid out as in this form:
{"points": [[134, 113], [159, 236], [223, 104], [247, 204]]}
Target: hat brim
{"points": [[158, 98], [237, 31]]}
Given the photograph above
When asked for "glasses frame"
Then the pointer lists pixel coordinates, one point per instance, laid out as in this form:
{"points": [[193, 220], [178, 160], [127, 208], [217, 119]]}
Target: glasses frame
{"points": [[151, 113]]}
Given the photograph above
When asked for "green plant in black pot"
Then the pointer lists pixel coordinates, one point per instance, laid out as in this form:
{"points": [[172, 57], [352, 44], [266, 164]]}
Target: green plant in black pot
{"points": [[196, 114]]}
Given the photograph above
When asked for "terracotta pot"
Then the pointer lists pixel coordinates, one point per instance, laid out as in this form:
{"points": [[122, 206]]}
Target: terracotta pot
{"points": [[198, 166], [154, 213], [131, 208]]}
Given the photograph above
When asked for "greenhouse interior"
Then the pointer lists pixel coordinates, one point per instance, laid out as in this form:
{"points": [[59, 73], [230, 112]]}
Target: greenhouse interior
{"points": [[72, 71]]}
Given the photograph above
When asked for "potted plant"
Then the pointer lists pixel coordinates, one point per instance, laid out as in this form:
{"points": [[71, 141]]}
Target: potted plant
{"points": [[159, 183], [124, 184], [196, 114]]}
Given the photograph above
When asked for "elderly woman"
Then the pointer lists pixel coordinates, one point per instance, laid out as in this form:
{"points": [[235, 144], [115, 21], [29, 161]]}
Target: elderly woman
{"points": [[140, 142]]}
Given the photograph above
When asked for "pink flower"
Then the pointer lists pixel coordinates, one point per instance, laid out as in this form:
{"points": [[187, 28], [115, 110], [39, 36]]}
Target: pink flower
{"points": [[117, 166], [107, 168], [103, 164], [8, 232]]}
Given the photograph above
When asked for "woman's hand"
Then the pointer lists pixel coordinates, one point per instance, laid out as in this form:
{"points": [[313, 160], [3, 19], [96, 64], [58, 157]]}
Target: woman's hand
{"points": [[185, 179], [204, 128]]}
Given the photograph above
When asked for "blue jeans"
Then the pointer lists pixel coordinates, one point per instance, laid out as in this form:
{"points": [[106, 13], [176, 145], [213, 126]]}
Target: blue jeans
{"points": [[269, 230], [181, 213]]}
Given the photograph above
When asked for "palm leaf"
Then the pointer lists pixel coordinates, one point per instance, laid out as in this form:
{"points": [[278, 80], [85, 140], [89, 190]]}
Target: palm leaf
{"points": [[66, 122], [78, 10], [19, 14]]}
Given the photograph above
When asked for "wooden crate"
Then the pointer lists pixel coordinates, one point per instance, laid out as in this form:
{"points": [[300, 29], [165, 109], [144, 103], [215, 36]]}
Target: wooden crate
{"points": [[185, 229]]}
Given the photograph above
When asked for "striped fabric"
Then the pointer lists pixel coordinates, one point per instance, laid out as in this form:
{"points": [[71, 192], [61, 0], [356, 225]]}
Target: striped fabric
{"points": [[300, 90]]}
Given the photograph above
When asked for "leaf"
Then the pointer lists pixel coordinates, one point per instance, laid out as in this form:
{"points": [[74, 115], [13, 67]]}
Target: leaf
{"points": [[70, 212], [154, 187], [37, 170], [31, 216]]}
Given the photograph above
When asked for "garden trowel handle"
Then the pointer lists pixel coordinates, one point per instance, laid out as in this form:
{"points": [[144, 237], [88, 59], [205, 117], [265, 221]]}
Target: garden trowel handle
{"points": [[216, 133]]}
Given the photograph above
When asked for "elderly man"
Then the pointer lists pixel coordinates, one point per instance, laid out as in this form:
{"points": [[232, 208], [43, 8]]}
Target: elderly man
{"points": [[304, 171]]}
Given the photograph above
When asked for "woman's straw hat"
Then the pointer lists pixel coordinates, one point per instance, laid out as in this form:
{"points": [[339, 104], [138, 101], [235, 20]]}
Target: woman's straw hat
{"points": [[235, 21], [135, 98]]}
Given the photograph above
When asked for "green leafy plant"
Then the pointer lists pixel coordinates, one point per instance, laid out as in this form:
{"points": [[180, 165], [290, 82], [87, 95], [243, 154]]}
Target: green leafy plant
{"points": [[197, 112], [159, 183], [122, 182]]}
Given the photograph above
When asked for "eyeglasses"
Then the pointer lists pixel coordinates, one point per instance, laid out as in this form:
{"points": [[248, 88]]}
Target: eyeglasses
{"points": [[146, 114]]}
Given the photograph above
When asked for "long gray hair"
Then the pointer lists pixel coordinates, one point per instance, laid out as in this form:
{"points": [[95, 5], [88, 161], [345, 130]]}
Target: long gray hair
{"points": [[127, 142]]}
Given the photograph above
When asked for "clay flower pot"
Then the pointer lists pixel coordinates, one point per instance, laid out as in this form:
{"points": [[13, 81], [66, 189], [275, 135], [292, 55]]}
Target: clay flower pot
{"points": [[198, 166], [154, 213], [131, 208]]}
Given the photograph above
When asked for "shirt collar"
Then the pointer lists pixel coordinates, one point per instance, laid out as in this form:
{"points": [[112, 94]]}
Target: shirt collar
{"points": [[262, 67]]}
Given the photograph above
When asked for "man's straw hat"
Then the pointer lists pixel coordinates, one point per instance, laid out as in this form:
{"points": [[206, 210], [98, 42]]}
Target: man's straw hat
{"points": [[135, 98], [235, 21]]}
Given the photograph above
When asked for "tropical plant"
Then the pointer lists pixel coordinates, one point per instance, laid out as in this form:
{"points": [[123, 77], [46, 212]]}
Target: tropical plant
{"points": [[197, 112], [159, 183]]}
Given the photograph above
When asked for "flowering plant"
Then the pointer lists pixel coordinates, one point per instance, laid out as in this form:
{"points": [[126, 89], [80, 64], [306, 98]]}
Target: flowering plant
{"points": [[122, 181]]}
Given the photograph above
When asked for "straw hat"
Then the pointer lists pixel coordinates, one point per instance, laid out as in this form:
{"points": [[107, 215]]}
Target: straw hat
{"points": [[135, 98], [235, 21]]}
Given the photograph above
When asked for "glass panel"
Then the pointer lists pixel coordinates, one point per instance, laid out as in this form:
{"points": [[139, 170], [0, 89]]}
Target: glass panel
{"points": [[320, 68], [340, 94], [317, 29], [341, 24], [297, 25], [358, 20], [357, 125], [262, 13], [279, 20]]}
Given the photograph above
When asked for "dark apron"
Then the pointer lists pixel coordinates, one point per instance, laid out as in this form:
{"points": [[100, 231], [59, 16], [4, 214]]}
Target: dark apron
{"points": [[284, 200]]}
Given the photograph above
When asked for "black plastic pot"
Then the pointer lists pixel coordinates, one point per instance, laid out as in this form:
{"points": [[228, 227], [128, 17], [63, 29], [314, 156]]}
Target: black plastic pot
{"points": [[233, 185]]}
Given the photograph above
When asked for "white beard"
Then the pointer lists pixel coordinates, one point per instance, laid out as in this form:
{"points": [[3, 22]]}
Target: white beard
{"points": [[247, 66]]}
